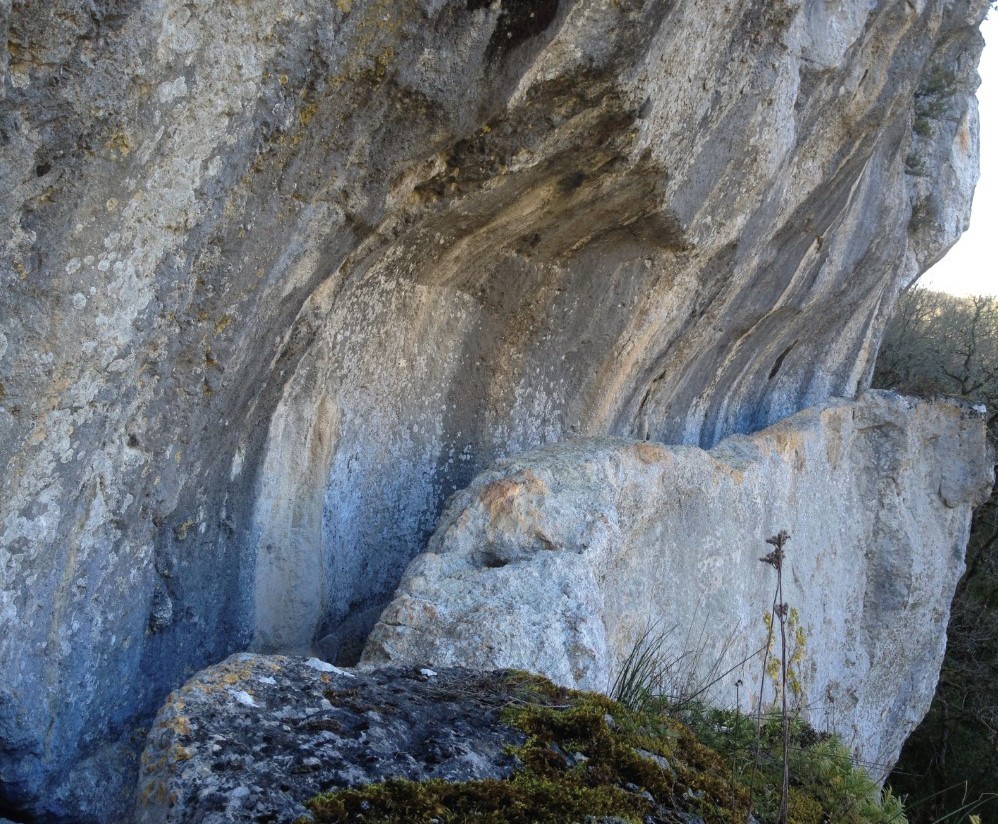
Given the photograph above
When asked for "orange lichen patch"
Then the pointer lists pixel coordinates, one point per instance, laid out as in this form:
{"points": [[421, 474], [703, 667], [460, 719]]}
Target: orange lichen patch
{"points": [[790, 442], [120, 143], [179, 753], [178, 724], [223, 324], [963, 140], [504, 499], [408, 611], [307, 113], [224, 676], [151, 791], [151, 765], [650, 452], [173, 700]]}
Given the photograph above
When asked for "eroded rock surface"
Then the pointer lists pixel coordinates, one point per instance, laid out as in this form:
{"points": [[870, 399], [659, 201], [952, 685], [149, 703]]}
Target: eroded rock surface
{"points": [[558, 561], [254, 737], [279, 276]]}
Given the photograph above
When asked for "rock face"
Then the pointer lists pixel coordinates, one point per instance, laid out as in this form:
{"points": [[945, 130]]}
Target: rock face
{"points": [[558, 561], [279, 276], [254, 737]]}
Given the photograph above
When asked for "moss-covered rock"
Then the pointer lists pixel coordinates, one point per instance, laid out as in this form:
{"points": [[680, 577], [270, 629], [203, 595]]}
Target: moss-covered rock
{"points": [[279, 739], [587, 757]]}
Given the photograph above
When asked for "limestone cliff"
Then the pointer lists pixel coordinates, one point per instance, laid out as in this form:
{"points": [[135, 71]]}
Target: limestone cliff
{"points": [[279, 276]]}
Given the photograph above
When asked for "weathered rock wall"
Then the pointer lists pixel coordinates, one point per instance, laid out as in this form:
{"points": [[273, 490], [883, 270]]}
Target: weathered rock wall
{"points": [[278, 276], [560, 560]]}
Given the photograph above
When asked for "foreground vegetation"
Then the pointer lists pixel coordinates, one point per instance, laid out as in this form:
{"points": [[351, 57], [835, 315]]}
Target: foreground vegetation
{"points": [[586, 756]]}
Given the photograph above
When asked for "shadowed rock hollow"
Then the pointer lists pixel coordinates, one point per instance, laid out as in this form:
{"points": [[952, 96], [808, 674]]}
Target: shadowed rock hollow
{"points": [[279, 276]]}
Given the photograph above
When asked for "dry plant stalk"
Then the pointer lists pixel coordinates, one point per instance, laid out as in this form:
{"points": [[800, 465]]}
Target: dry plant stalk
{"points": [[780, 611]]}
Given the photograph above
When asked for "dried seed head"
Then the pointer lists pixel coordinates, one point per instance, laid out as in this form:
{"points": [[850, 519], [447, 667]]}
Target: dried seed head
{"points": [[779, 539]]}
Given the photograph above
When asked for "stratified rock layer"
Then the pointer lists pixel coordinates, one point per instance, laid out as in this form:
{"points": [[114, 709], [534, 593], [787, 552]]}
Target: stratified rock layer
{"points": [[279, 276], [559, 560]]}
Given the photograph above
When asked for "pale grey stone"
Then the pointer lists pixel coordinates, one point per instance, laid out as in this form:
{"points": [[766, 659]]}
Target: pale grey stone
{"points": [[558, 560], [277, 277]]}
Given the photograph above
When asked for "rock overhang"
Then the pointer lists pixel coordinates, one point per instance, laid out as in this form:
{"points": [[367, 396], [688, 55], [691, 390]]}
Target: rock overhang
{"points": [[280, 278]]}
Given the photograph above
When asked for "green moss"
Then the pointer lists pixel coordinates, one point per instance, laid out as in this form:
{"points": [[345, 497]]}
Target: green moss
{"points": [[915, 166], [522, 800], [937, 82], [586, 755], [526, 686], [932, 100]]}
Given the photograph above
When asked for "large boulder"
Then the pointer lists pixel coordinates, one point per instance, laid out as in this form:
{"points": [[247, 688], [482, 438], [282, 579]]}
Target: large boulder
{"points": [[255, 737], [279, 276], [562, 560]]}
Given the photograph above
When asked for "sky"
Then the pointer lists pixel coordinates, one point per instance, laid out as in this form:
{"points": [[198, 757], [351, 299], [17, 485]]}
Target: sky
{"points": [[971, 267]]}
